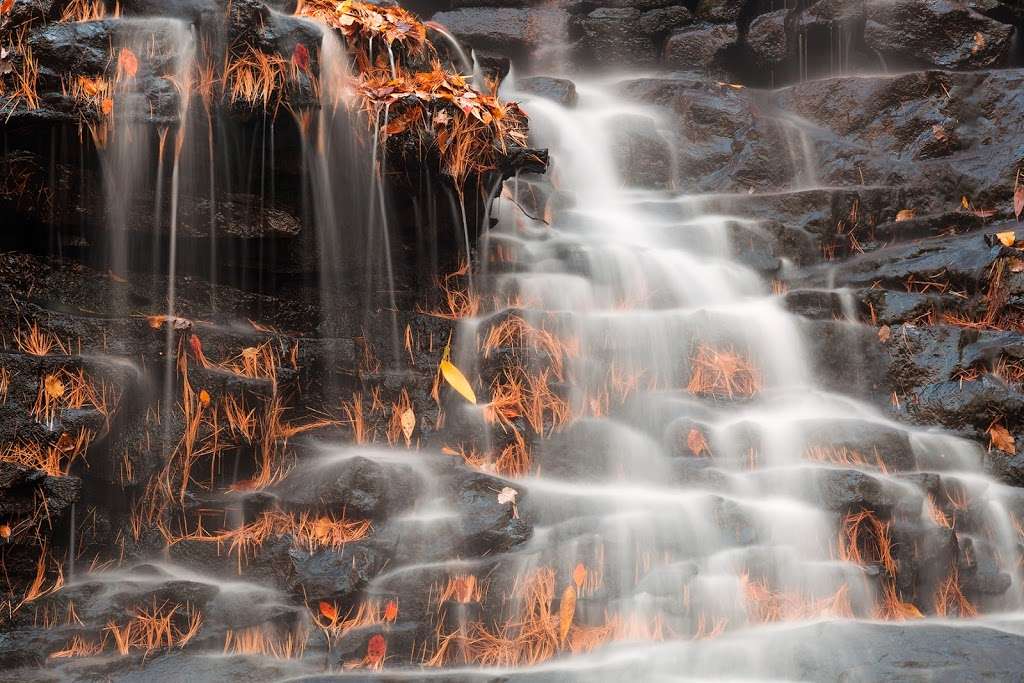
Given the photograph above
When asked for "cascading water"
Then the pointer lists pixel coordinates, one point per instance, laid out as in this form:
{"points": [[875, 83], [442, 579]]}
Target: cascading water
{"points": [[643, 426]]}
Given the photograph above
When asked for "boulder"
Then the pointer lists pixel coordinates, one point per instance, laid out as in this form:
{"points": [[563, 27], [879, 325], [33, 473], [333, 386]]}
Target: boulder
{"points": [[610, 38], [641, 153], [767, 37], [512, 31], [935, 33], [699, 47], [662, 20], [720, 11], [560, 90]]}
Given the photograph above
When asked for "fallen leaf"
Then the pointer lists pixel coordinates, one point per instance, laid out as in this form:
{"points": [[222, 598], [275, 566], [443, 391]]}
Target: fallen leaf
{"points": [[300, 57], [979, 42], [507, 495], [157, 321], [5, 531], [1007, 238], [127, 63], [376, 649], [54, 387], [984, 213], [1001, 438], [566, 611], [243, 485], [204, 398], [107, 106], [391, 611], [408, 423], [1018, 201], [6, 6], [328, 611], [964, 202], [695, 442], [65, 443], [579, 575], [940, 133], [905, 215], [884, 333], [457, 380]]}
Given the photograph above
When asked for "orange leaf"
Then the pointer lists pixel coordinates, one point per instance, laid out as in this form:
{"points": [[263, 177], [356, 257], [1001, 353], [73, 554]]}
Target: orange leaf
{"points": [[391, 611], [1007, 238], [376, 649], [5, 531], [905, 215], [579, 575], [329, 611], [204, 398], [54, 387], [127, 63], [695, 442], [6, 6], [566, 611], [107, 106], [1001, 438]]}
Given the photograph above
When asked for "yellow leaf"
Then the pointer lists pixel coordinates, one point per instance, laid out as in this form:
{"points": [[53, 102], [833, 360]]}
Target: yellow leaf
{"points": [[1001, 438], [964, 202], [1007, 238], [408, 423], [566, 611], [54, 387], [905, 215], [457, 380]]}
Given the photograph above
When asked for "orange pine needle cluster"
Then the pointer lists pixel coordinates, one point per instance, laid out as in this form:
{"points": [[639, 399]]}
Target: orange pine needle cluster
{"points": [[722, 374]]}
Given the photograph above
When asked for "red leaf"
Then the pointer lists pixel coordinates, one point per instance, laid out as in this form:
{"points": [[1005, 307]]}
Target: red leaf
{"points": [[300, 57], [6, 6], [329, 611], [391, 611], [376, 649]]}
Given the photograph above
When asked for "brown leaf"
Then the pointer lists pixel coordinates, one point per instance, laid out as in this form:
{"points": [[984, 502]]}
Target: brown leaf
{"points": [[696, 442], [905, 215], [408, 423], [884, 333], [566, 611], [1001, 438], [1007, 237], [65, 443], [1018, 201]]}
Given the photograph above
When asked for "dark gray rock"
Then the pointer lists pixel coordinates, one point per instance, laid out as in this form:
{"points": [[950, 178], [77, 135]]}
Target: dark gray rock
{"points": [[719, 11], [698, 48], [936, 33], [642, 154], [560, 90], [663, 19], [610, 38], [511, 31], [767, 37]]}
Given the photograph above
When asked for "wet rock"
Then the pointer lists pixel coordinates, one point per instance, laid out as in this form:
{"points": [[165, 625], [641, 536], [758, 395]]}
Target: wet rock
{"points": [[487, 525], [511, 31], [848, 357], [335, 574], [893, 308], [660, 21], [698, 48], [21, 488], [560, 90], [363, 486], [610, 38], [967, 404], [641, 152], [819, 304], [873, 440], [719, 11], [935, 33], [767, 37]]}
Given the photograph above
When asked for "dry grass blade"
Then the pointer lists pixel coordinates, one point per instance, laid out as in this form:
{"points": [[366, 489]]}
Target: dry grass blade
{"points": [[722, 374]]}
